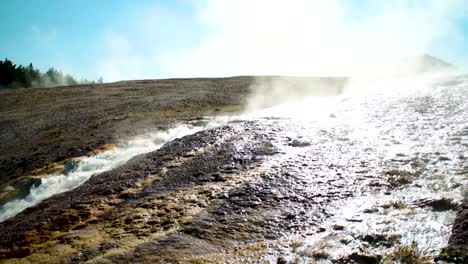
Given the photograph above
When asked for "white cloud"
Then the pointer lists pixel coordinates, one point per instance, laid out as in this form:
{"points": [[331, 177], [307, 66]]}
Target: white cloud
{"points": [[293, 37], [135, 51], [302, 37], [121, 61]]}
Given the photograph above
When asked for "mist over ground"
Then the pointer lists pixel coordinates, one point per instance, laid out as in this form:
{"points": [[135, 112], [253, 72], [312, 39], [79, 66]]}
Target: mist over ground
{"points": [[295, 38], [362, 40]]}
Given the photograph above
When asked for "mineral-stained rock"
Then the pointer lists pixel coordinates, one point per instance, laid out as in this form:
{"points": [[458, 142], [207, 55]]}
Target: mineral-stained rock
{"points": [[244, 193], [200, 194]]}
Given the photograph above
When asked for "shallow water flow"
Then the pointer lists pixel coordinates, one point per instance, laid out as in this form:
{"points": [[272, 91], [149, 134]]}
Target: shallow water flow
{"points": [[328, 180], [86, 167], [414, 147]]}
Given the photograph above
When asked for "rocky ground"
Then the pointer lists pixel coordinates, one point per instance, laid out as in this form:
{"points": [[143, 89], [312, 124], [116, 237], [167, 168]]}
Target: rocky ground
{"points": [[41, 126], [252, 191], [204, 194], [45, 125]]}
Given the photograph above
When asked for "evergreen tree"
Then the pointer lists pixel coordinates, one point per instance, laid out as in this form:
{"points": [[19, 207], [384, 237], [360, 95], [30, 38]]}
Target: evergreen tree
{"points": [[13, 76]]}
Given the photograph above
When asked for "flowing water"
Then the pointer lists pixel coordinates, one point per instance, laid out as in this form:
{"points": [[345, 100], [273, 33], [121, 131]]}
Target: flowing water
{"points": [[418, 139], [397, 156], [86, 167]]}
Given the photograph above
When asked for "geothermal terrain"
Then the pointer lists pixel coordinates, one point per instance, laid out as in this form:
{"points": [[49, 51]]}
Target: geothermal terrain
{"points": [[223, 170]]}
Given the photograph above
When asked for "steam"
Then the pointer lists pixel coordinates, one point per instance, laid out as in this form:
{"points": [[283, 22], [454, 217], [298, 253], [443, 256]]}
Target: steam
{"points": [[364, 40], [120, 62], [316, 38], [269, 91], [294, 38]]}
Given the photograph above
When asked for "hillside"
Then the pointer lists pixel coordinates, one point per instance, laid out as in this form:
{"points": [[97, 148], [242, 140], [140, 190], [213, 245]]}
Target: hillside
{"points": [[44, 125], [424, 64]]}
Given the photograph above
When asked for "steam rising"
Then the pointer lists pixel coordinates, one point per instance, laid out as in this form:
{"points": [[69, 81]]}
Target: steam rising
{"points": [[297, 38], [271, 91], [374, 43], [316, 38]]}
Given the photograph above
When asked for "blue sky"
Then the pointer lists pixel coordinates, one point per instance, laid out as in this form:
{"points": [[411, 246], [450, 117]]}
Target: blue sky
{"points": [[124, 39], [70, 35]]}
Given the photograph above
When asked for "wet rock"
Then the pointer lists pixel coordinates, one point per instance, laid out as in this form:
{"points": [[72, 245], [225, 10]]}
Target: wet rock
{"points": [[282, 260], [69, 166], [110, 197], [380, 239], [354, 220], [397, 178], [370, 210], [457, 248], [321, 229], [320, 255], [395, 205], [438, 205], [443, 158], [361, 258], [18, 188], [169, 250], [298, 143], [338, 227]]}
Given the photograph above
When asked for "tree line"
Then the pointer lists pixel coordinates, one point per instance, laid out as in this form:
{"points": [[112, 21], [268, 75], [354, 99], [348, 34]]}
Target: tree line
{"points": [[13, 76]]}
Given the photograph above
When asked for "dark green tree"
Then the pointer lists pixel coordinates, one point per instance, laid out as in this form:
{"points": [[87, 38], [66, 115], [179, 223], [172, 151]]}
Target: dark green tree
{"points": [[13, 76]]}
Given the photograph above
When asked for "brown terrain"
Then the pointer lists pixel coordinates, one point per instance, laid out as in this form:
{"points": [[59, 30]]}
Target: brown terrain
{"points": [[41, 126], [44, 125], [235, 193]]}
